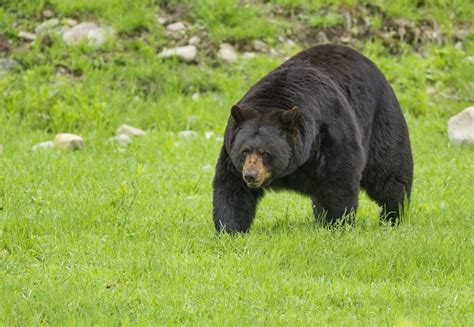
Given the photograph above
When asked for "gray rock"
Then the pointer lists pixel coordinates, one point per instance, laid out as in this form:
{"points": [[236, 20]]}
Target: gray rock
{"points": [[27, 36], [47, 25], [176, 27], [187, 53], [129, 131], [48, 13], [66, 141], [227, 53], [259, 45], [195, 96], [7, 64], [195, 40], [88, 31], [70, 22], [461, 127], [161, 20], [122, 139], [42, 146]]}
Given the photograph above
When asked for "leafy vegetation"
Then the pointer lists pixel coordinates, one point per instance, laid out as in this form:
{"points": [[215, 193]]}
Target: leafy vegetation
{"points": [[111, 235]]}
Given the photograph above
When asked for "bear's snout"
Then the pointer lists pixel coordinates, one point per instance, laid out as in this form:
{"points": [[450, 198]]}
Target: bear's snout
{"points": [[254, 172]]}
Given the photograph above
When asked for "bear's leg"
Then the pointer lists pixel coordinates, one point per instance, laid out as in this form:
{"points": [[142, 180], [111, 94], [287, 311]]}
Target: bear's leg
{"points": [[234, 202], [336, 205], [390, 193]]}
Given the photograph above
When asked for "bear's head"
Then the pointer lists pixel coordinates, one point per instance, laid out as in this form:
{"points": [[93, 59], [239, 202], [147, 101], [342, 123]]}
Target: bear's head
{"points": [[261, 147]]}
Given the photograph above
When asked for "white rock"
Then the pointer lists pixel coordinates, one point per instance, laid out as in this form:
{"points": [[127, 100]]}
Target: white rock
{"points": [[290, 42], [27, 36], [161, 20], [123, 139], [195, 96], [248, 55], [67, 141], [259, 45], [176, 27], [195, 40], [469, 59], [227, 53], [70, 22], [461, 127], [129, 131], [43, 145], [431, 90], [48, 13], [47, 25], [187, 133], [88, 31], [208, 135], [186, 53]]}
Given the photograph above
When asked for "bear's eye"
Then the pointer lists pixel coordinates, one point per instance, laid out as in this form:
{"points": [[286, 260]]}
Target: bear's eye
{"points": [[245, 152], [266, 155]]}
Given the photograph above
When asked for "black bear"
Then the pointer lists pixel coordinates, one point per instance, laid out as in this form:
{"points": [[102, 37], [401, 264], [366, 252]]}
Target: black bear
{"points": [[325, 123]]}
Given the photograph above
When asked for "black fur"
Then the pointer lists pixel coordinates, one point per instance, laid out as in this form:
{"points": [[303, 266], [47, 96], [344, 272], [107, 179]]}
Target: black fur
{"points": [[347, 132]]}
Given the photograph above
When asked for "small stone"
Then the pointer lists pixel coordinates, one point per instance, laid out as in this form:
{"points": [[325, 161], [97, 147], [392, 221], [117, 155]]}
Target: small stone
{"points": [[48, 13], [208, 135], [458, 45], [27, 36], [290, 42], [7, 64], [123, 139], [161, 20], [195, 40], [248, 55], [176, 27], [346, 39], [430, 90], [42, 146], [469, 59], [273, 52], [227, 53], [70, 22], [219, 139], [187, 133], [187, 53], [67, 141], [47, 25], [259, 45], [461, 127], [88, 31], [129, 131], [195, 96]]}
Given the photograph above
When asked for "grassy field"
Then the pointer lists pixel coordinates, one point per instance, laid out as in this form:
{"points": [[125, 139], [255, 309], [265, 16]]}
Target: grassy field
{"points": [[111, 235]]}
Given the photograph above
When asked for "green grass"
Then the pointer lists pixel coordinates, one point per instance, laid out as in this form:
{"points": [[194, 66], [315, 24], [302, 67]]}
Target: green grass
{"points": [[108, 236]]}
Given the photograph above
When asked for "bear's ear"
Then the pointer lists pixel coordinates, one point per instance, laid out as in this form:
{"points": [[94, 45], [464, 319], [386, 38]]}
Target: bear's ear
{"points": [[239, 114], [290, 117]]}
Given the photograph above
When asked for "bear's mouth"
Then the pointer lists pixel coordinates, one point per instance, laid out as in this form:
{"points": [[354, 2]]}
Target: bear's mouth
{"points": [[261, 184]]}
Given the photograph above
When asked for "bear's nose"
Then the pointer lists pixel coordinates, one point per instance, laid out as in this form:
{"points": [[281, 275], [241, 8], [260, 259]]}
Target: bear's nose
{"points": [[250, 176]]}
